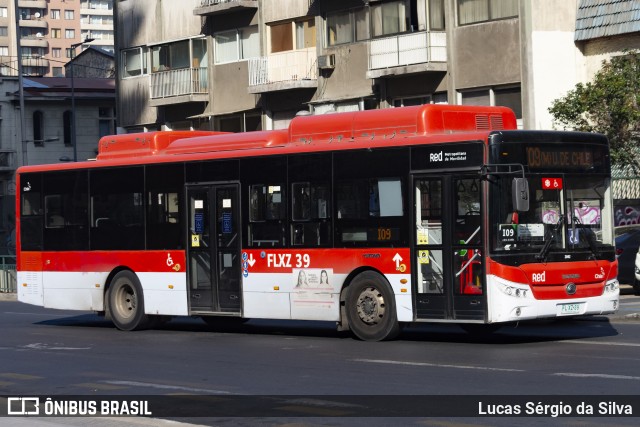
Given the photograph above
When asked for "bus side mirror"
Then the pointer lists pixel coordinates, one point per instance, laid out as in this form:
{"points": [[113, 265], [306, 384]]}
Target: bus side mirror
{"points": [[520, 194]]}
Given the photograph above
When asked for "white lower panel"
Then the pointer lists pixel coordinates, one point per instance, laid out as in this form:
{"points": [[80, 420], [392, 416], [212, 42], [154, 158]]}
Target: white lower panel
{"points": [[164, 293], [266, 305], [509, 308], [29, 284]]}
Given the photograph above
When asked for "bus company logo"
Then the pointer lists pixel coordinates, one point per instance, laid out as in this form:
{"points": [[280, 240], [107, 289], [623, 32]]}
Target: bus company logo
{"points": [[23, 406], [599, 276], [436, 157], [539, 277]]}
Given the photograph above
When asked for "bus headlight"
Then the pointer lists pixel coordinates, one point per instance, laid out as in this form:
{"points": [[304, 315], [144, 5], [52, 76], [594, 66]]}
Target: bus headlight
{"points": [[612, 286], [512, 291]]}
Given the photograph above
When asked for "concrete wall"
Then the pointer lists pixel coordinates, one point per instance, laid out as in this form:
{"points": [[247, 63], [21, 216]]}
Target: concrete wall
{"points": [[280, 10], [486, 54], [599, 50], [150, 21], [551, 62]]}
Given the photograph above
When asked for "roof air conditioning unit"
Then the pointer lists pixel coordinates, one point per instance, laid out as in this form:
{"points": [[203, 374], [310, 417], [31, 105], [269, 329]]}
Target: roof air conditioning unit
{"points": [[327, 62]]}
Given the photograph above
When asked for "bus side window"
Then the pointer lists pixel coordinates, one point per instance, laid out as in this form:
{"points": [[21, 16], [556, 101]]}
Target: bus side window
{"points": [[266, 215], [310, 214]]}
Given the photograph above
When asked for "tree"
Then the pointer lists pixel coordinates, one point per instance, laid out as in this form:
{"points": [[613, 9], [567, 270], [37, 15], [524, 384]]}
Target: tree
{"points": [[610, 105]]}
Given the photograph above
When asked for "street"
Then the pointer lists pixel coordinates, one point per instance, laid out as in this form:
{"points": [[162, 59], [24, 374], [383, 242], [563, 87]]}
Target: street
{"points": [[48, 352]]}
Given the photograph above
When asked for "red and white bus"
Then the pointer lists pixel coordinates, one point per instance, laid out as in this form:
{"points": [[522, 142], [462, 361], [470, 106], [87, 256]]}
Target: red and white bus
{"points": [[370, 219]]}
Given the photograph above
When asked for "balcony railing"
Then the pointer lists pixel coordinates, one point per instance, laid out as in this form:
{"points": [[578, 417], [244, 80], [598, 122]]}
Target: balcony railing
{"points": [[288, 69], [212, 7], [408, 49], [184, 81]]}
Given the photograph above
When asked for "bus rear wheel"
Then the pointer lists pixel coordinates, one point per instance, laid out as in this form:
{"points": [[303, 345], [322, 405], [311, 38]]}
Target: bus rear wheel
{"points": [[371, 309], [126, 303]]}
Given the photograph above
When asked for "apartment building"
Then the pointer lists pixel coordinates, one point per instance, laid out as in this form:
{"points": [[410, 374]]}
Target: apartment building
{"points": [[238, 65], [50, 32]]}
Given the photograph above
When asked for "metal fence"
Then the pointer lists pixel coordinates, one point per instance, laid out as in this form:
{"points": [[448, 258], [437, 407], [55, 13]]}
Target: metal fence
{"points": [[7, 273]]}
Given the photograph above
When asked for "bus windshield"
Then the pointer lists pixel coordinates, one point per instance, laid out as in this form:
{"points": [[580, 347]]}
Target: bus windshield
{"points": [[568, 212]]}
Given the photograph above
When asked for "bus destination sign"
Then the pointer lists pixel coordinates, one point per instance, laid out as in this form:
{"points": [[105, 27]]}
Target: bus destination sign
{"points": [[541, 157]]}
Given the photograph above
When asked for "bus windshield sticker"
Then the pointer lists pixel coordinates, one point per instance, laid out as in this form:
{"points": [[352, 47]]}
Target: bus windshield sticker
{"points": [[195, 240], [226, 203], [226, 223], [198, 204]]}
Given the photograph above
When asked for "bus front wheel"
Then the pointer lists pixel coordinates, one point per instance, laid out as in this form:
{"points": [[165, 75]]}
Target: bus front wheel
{"points": [[126, 303], [371, 310]]}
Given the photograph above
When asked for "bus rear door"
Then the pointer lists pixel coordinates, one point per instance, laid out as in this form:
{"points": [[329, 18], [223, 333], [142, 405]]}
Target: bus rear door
{"points": [[214, 243]]}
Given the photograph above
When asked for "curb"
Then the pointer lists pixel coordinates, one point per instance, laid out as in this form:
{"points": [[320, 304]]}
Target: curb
{"points": [[8, 296]]}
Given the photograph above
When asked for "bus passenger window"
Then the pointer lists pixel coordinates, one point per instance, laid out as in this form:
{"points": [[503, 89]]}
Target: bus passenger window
{"points": [[266, 213], [310, 214]]}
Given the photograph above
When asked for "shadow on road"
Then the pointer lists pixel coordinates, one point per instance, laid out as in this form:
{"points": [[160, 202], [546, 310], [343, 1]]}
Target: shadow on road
{"points": [[522, 333]]}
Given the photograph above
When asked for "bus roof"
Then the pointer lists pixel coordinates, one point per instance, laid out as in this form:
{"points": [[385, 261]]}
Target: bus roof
{"points": [[307, 133]]}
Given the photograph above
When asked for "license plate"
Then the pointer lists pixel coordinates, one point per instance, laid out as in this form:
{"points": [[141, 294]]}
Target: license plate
{"points": [[570, 308]]}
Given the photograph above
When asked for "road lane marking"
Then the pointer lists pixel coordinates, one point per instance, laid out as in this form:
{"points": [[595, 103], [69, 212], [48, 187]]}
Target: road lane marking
{"points": [[621, 344], [436, 365], [605, 376], [166, 387]]}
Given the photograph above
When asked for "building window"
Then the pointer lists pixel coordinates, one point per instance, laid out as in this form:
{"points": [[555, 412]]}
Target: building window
{"points": [[510, 97], [56, 33], [170, 56], [389, 18], [54, 13], [38, 128], [4, 50], [243, 122], [4, 31], [68, 14], [69, 34], [347, 27], [107, 121], [474, 11], [56, 52], [134, 62], [292, 35], [3, 12], [68, 52], [436, 15], [235, 45], [66, 127], [57, 71], [305, 34]]}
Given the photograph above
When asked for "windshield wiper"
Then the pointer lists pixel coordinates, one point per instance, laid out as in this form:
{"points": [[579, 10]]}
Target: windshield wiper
{"points": [[552, 237], [589, 239]]}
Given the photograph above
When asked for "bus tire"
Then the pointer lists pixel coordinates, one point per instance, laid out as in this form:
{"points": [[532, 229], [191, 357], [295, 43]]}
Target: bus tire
{"points": [[371, 309], [126, 302]]}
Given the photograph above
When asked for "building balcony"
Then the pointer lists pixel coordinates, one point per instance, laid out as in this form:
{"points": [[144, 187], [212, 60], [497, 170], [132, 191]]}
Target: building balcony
{"points": [[96, 27], [33, 42], [34, 4], [217, 7], [179, 86], [296, 69], [7, 160], [89, 11], [33, 23], [32, 61], [407, 54]]}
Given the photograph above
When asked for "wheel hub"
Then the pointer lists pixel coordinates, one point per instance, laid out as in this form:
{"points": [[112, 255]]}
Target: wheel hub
{"points": [[370, 306]]}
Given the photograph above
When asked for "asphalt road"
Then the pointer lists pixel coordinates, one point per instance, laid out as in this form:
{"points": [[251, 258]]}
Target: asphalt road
{"points": [[49, 352]]}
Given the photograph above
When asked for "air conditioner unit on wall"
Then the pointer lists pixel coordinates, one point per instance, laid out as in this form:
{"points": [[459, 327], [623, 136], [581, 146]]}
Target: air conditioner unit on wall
{"points": [[327, 62]]}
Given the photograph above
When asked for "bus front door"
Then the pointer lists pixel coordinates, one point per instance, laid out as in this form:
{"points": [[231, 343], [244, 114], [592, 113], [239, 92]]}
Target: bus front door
{"points": [[449, 273], [214, 243]]}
